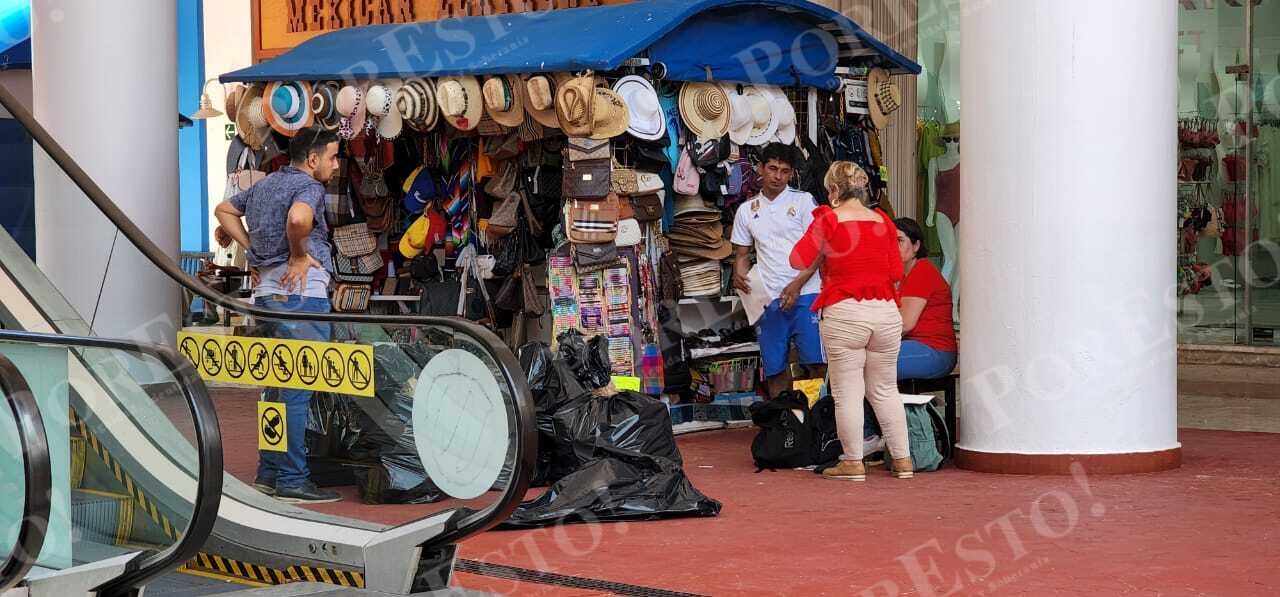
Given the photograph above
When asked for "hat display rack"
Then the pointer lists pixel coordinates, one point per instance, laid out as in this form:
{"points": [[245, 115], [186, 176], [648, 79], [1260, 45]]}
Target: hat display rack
{"points": [[404, 181]]}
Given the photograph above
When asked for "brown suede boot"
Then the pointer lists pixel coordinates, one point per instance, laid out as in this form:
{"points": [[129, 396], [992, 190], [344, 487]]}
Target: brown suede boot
{"points": [[847, 470], [903, 468]]}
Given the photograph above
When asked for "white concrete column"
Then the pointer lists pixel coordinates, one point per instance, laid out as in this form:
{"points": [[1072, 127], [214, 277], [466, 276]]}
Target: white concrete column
{"points": [[105, 86], [1068, 344]]}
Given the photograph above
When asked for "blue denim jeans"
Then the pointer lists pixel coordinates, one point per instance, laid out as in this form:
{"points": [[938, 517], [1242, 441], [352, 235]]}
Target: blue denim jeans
{"points": [[288, 470], [918, 360]]}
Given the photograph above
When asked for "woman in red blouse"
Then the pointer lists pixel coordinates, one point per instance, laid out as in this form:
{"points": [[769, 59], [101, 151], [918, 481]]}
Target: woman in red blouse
{"points": [[861, 324], [928, 332]]}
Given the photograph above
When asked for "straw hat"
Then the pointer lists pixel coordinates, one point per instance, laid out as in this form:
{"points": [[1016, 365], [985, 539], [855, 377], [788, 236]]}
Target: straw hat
{"points": [[232, 103], [574, 104], [540, 91], [350, 104], [251, 118], [416, 102], [692, 204], [705, 109], [460, 101], [288, 107], [883, 97], [503, 100], [609, 114], [764, 121], [647, 119], [786, 114], [740, 116], [324, 105]]}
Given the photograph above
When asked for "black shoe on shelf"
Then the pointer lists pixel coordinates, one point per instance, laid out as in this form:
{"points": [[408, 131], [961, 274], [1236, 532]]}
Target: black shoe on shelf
{"points": [[267, 486], [307, 494]]}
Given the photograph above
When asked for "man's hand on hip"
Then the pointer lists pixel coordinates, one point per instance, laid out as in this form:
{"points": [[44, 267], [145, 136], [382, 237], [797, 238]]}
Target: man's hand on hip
{"points": [[295, 276]]}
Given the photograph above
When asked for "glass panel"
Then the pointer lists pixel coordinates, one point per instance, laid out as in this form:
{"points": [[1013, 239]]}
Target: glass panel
{"points": [[13, 482], [939, 141], [1265, 187], [107, 413], [358, 397], [1212, 174]]}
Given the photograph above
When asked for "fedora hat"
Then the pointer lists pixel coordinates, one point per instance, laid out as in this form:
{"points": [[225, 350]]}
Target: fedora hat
{"points": [[647, 121], [740, 115], [704, 107], [460, 101], [540, 93], [251, 118], [232, 100], [324, 105], [786, 118], [391, 125], [416, 102], [574, 104], [351, 113], [609, 114], [692, 204], [764, 122], [503, 100], [288, 107], [883, 97], [714, 252]]}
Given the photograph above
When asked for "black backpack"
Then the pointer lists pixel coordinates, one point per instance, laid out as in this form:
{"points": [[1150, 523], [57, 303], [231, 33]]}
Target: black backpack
{"points": [[784, 441], [822, 428]]}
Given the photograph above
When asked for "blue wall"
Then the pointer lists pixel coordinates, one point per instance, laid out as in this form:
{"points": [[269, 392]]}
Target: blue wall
{"points": [[192, 149]]}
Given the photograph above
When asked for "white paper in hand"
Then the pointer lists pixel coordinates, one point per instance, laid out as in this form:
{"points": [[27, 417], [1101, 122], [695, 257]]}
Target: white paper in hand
{"points": [[460, 424], [755, 303]]}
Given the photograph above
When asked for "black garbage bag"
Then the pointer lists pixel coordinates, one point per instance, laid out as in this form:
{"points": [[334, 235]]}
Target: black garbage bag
{"points": [[552, 385], [622, 463], [396, 479], [589, 361]]}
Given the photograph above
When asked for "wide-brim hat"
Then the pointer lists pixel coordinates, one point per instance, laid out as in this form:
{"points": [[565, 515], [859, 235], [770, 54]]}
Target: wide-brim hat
{"points": [[647, 121], [609, 113], [692, 204], [574, 104], [540, 95], [231, 105], [504, 100], [786, 119], [714, 252], [324, 106], [380, 99], [416, 102], [740, 117], [251, 118], [288, 107], [764, 121], [391, 125], [704, 107], [351, 112], [460, 101], [883, 97]]}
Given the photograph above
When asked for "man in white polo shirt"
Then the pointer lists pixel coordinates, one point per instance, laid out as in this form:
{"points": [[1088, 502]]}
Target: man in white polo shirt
{"points": [[772, 223]]}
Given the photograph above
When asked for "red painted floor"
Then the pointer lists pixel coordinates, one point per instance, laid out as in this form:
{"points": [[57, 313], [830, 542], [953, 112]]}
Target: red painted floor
{"points": [[1209, 528]]}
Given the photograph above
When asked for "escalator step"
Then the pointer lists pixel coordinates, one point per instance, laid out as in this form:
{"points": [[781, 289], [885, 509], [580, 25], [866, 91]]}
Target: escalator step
{"points": [[102, 516]]}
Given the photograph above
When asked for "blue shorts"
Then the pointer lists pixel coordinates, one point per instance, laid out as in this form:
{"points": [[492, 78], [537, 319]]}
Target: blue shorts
{"points": [[777, 329]]}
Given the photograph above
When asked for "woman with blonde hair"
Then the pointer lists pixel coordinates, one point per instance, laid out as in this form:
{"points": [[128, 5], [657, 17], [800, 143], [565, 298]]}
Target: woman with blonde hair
{"points": [[861, 324]]}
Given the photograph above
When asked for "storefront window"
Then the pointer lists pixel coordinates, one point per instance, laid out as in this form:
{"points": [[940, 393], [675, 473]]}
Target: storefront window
{"points": [[1228, 180], [939, 139]]}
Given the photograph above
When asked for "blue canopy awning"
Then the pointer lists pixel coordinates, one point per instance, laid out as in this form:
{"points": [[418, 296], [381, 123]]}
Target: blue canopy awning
{"points": [[779, 42], [17, 57]]}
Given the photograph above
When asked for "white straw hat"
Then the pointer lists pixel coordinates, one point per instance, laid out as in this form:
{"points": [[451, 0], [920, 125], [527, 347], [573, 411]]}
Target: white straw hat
{"points": [[647, 122]]}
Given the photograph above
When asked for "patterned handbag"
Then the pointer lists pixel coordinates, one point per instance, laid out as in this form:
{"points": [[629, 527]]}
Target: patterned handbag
{"points": [[351, 298], [356, 258]]}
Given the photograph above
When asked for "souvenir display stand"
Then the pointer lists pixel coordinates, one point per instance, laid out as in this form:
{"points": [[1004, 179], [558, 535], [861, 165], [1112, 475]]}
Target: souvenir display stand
{"points": [[552, 176]]}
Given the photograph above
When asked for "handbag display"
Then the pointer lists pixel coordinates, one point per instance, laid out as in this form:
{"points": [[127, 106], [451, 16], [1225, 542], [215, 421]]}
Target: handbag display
{"points": [[245, 175], [356, 258], [687, 181], [351, 298], [647, 207], [591, 222], [589, 258], [581, 149], [587, 179]]}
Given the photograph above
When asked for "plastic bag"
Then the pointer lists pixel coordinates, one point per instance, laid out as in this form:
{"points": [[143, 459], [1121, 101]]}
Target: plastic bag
{"points": [[589, 360], [622, 463]]}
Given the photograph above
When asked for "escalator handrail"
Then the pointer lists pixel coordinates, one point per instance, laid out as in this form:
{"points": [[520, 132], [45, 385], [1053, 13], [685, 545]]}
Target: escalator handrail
{"points": [[38, 475], [208, 447], [512, 373]]}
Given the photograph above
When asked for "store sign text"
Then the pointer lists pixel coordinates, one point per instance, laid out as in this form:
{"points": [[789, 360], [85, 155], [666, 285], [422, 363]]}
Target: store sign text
{"points": [[306, 16]]}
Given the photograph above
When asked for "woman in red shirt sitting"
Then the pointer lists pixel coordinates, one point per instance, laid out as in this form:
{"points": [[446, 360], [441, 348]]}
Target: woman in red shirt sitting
{"points": [[928, 332], [861, 325]]}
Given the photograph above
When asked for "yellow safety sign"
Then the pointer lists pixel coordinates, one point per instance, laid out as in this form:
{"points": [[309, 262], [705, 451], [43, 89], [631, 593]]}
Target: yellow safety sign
{"points": [[273, 429], [624, 383], [290, 364]]}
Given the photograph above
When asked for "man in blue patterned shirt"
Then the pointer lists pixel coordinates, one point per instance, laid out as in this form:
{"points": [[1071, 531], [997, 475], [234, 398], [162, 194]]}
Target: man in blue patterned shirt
{"points": [[287, 243]]}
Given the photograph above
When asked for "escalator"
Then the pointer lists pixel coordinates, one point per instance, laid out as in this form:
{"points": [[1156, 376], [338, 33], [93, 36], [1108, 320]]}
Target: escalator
{"points": [[26, 521], [137, 439]]}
